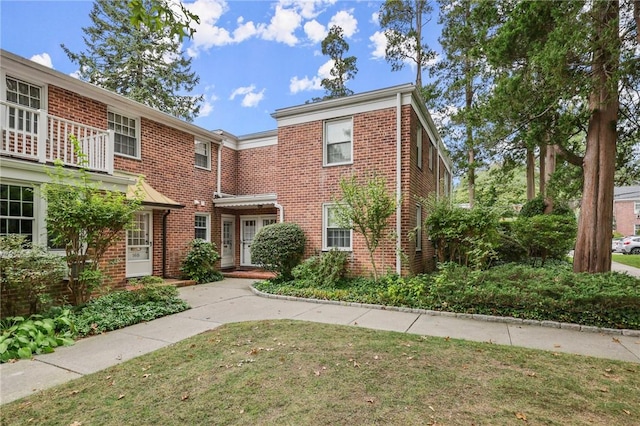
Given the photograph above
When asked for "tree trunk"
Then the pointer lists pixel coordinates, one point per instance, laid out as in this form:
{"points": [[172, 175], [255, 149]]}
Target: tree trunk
{"points": [[547, 168], [542, 184], [531, 175], [593, 245]]}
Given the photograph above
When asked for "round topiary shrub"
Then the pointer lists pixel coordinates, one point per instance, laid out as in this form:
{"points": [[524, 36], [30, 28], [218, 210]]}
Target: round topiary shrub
{"points": [[279, 247]]}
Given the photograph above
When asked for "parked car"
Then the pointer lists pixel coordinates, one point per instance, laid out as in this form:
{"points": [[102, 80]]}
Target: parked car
{"points": [[630, 245], [616, 245]]}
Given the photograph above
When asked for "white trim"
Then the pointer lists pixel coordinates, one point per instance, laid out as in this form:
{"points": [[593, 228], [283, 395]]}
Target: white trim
{"points": [[325, 216], [259, 219], [418, 228], [245, 200], [419, 146], [325, 161], [207, 217], [128, 116], [398, 182], [226, 262]]}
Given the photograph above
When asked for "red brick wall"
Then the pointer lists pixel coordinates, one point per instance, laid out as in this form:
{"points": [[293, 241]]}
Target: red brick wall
{"points": [[626, 219], [258, 169]]}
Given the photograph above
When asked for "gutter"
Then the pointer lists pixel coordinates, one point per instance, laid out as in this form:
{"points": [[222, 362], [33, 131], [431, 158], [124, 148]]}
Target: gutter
{"points": [[398, 181]]}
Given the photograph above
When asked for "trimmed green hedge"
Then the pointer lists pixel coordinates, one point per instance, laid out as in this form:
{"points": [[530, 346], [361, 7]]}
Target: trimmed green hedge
{"points": [[553, 293]]}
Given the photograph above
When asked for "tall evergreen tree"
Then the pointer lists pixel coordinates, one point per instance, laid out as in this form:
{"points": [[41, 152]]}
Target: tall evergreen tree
{"points": [[344, 69], [579, 58], [403, 22], [141, 63]]}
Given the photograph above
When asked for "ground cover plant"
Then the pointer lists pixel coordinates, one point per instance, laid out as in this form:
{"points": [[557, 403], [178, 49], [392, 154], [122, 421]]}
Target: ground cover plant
{"points": [[552, 293], [24, 337], [627, 260], [288, 372]]}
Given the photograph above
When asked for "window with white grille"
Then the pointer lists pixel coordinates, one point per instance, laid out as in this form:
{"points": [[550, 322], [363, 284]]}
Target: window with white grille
{"points": [[25, 94], [334, 236], [17, 210], [203, 155], [126, 134], [202, 226], [338, 146]]}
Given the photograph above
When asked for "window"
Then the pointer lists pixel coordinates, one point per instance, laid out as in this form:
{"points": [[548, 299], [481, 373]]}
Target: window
{"points": [[203, 155], [636, 208], [636, 229], [430, 156], [337, 141], [333, 235], [418, 227], [17, 210], [419, 146], [27, 95], [202, 226], [126, 131]]}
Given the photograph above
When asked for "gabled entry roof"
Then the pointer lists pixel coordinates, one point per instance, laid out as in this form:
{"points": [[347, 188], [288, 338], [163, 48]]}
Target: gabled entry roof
{"points": [[151, 197]]}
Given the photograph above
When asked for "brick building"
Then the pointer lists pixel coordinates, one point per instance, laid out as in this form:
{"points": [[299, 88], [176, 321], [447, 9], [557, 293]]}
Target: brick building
{"points": [[212, 184], [626, 210]]}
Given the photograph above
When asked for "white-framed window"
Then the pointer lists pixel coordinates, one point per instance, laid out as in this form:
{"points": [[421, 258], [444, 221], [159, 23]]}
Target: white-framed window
{"points": [[334, 236], [418, 227], [202, 224], [431, 156], [126, 131], [419, 146], [17, 210], [27, 95], [203, 155], [636, 229], [636, 207], [338, 143]]}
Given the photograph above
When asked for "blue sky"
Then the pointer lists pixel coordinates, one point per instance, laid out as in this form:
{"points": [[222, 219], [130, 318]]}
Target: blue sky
{"points": [[252, 57]]}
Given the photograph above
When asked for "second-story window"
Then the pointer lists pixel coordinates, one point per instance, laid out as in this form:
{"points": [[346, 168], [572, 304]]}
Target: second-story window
{"points": [[338, 146], [126, 134], [203, 155], [27, 95]]}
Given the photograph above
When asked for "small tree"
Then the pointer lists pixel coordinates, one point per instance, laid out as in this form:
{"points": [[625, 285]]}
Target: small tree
{"points": [[365, 207], [86, 220], [279, 247], [200, 262]]}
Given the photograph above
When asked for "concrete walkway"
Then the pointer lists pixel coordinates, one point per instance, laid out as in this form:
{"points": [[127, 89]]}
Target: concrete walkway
{"points": [[232, 300]]}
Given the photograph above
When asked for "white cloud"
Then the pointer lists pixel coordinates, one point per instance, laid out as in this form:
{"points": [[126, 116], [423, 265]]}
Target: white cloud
{"points": [[251, 97], [244, 31], [308, 9], [315, 31], [297, 84], [43, 59], [379, 44], [282, 26], [304, 84], [375, 18], [345, 20]]}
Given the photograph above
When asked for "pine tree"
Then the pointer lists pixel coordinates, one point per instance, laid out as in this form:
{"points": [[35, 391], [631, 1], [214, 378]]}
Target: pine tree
{"points": [[141, 63], [344, 69]]}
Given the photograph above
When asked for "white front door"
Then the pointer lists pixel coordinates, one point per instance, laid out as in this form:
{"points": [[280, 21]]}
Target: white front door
{"points": [[228, 238], [139, 246], [249, 228]]}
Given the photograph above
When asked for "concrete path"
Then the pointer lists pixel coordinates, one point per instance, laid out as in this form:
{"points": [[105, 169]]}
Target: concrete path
{"points": [[619, 267], [232, 300]]}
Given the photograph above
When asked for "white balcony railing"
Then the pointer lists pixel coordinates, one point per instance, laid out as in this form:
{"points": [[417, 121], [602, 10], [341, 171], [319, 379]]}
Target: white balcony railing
{"points": [[35, 135]]}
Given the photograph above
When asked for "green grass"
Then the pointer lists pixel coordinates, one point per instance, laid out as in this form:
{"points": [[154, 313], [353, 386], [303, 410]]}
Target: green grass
{"points": [[288, 372], [629, 260]]}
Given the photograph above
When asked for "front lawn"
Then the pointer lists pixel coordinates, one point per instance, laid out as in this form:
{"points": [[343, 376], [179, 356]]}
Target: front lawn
{"points": [[629, 260], [289, 372], [553, 293]]}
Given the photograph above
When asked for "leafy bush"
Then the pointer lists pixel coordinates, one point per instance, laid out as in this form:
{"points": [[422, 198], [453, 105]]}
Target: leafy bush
{"points": [[553, 293], [323, 270], [533, 207], [546, 236], [22, 338], [279, 247], [466, 236], [123, 308], [27, 272], [509, 248], [200, 263]]}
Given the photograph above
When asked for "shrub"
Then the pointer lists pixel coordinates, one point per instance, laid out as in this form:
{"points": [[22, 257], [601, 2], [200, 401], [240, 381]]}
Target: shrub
{"points": [[279, 247], [27, 273], [123, 308], [200, 263], [323, 270], [533, 207], [546, 236], [509, 248], [23, 338]]}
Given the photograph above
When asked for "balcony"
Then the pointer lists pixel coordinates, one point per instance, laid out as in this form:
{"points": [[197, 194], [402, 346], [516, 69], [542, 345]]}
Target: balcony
{"points": [[34, 135]]}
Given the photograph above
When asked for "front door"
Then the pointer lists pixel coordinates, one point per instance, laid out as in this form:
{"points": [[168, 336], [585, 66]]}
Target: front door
{"points": [[228, 237], [249, 228], [139, 246]]}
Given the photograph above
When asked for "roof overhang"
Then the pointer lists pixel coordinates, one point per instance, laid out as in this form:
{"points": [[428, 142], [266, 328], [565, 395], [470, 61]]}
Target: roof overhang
{"points": [[151, 197], [245, 201]]}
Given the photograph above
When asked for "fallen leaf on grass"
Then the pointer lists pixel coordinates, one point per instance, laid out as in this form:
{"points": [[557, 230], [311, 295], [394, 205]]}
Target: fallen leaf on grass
{"points": [[76, 423], [121, 396], [521, 416], [74, 392], [144, 376], [627, 412], [531, 374], [431, 408], [604, 390], [370, 400], [184, 397]]}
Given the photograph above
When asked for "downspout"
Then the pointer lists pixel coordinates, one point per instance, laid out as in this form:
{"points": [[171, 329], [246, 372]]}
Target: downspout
{"points": [[398, 181], [438, 169], [219, 167], [164, 243], [280, 209]]}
